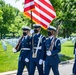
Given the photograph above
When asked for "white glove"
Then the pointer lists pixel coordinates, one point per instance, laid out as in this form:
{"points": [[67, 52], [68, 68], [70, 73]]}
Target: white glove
{"points": [[40, 62], [14, 50], [26, 60], [48, 53]]}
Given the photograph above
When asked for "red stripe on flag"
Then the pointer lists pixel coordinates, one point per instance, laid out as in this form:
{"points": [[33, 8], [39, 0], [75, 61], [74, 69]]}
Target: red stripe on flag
{"points": [[47, 4], [36, 20], [47, 12], [43, 14], [28, 5], [29, 8]]}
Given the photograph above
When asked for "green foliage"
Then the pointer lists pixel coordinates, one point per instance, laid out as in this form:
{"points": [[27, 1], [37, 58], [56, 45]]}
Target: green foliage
{"points": [[8, 16], [11, 17], [1, 18], [66, 14]]}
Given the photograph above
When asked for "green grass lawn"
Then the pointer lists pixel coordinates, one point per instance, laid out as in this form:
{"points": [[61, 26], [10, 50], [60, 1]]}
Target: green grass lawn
{"points": [[9, 60], [67, 49]]}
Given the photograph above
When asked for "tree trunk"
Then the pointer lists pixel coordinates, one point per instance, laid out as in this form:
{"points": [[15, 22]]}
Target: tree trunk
{"points": [[13, 34], [1, 33]]}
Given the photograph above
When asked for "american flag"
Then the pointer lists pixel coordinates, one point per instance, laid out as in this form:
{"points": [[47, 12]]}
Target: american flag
{"points": [[43, 14], [28, 5]]}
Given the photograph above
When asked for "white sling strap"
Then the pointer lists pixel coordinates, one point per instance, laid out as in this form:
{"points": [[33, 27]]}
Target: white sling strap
{"points": [[40, 38]]}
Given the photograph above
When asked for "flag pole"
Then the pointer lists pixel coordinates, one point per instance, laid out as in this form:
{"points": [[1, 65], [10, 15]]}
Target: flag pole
{"points": [[31, 20], [32, 35]]}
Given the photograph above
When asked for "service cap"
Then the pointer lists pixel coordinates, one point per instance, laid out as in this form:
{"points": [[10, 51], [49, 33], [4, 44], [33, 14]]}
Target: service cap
{"points": [[51, 28], [36, 26], [25, 28]]}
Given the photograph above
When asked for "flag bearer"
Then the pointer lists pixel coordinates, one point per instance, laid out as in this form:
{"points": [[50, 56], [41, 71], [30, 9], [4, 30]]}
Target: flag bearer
{"points": [[38, 50]]}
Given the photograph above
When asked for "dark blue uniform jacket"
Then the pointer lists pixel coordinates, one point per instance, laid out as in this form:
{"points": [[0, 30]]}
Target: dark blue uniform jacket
{"points": [[40, 53], [25, 43], [53, 58]]}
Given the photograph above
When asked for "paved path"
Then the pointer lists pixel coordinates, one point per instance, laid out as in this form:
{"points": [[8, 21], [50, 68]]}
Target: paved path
{"points": [[65, 68]]}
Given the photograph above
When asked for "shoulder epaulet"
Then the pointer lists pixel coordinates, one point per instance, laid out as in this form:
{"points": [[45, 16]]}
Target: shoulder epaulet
{"points": [[56, 41]]}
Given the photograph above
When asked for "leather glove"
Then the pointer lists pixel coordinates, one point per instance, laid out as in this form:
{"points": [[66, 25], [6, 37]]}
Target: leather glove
{"points": [[26, 60], [40, 62], [14, 50], [48, 53]]}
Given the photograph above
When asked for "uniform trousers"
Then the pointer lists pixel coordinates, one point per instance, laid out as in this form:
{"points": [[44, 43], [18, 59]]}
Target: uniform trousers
{"points": [[21, 65], [74, 66], [33, 65], [49, 67]]}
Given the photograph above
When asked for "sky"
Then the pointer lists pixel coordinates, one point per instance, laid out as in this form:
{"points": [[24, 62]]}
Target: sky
{"points": [[17, 4]]}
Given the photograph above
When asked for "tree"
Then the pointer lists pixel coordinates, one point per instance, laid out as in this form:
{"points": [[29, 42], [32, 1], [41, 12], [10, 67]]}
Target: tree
{"points": [[11, 19], [1, 20], [68, 17], [66, 14], [7, 13]]}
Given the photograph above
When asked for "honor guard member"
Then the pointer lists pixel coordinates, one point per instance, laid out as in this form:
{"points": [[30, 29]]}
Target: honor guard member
{"points": [[74, 66], [24, 46], [53, 47], [37, 54]]}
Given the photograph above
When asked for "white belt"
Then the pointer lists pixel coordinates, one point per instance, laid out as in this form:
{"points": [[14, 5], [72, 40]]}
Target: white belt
{"points": [[25, 48], [37, 47]]}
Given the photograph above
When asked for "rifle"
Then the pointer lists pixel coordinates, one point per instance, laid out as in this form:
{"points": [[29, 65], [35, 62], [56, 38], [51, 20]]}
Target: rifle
{"points": [[53, 40], [18, 44]]}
